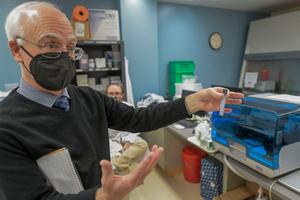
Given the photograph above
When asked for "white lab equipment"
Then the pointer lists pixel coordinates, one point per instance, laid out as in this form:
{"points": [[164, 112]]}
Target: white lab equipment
{"points": [[202, 133]]}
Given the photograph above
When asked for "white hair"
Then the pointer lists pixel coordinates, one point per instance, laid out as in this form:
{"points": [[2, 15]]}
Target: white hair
{"points": [[13, 24]]}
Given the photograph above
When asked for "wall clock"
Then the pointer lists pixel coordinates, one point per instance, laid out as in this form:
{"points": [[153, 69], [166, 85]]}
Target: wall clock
{"points": [[215, 41]]}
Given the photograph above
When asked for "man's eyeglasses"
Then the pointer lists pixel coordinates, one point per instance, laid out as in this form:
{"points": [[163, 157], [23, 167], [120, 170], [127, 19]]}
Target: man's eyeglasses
{"points": [[55, 49]]}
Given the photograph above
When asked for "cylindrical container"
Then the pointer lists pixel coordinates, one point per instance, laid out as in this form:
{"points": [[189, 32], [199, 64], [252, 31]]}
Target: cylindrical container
{"points": [[264, 74], [91, 64], [84, 62], [191, 159]]}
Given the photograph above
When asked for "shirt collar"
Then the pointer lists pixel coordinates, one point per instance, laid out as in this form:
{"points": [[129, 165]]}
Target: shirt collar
{"points": [[38, 96]]}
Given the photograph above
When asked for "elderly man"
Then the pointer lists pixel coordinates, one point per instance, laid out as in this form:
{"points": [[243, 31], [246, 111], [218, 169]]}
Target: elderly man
{"points": [[53, 135], [125, 147]]}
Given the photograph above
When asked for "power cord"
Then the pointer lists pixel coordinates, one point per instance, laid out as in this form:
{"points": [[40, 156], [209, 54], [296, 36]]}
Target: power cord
{"points": [[270, 189]]}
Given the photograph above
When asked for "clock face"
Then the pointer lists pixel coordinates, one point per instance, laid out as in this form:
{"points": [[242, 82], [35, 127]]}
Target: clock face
{"points": [[215, 41]]}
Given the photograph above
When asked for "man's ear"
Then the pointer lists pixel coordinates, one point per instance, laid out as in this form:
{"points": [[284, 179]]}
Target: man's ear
{"points": [[15, 51]]}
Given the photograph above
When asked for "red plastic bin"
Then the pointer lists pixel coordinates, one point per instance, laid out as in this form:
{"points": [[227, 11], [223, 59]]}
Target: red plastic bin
{"points": [[191, 159]]}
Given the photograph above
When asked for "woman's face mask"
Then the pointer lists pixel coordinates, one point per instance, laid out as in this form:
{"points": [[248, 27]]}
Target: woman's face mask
{"points": [[52, 74]]}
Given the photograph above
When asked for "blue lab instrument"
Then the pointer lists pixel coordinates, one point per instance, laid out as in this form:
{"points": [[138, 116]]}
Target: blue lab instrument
{"points": [[263, 134]]}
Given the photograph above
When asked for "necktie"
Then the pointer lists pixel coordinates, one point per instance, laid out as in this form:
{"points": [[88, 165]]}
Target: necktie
{"points": [[62, 102]]}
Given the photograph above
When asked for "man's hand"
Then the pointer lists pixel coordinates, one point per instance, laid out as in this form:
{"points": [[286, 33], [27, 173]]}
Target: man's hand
{"points": [[210, 99], [116, 187]]}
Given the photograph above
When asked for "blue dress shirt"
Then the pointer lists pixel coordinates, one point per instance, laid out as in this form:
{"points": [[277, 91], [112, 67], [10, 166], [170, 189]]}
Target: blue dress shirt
{"points": [[38, 96]]}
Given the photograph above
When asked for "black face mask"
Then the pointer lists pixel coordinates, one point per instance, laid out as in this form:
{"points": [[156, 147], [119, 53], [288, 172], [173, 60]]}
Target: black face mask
{"points": [[52, 74]]}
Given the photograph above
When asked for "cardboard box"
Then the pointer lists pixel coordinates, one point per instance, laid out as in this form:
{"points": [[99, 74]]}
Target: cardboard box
{"points": [[240, 193], [81, 30]]}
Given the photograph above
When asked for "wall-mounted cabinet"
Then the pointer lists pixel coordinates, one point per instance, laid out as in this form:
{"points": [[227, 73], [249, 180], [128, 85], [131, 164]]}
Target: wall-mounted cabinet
{"points": [[274, 36], [273, 46]]}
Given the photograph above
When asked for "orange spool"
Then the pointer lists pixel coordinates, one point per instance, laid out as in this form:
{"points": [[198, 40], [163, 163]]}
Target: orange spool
{"points": [[80, 13]]}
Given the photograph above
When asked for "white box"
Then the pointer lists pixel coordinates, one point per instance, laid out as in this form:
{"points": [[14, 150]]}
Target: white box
{"points": [[265, 86], [92, 82], [115, 78], [82, 79], [105, 81], [100, 87], [100, 62]]}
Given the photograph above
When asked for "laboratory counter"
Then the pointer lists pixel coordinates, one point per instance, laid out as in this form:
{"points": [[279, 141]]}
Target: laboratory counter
{"points": [[174, 140]]}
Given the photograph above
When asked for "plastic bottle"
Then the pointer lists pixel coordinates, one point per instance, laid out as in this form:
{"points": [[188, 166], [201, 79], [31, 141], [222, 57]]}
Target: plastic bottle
{"points": [[84, 62], [264, 74]]}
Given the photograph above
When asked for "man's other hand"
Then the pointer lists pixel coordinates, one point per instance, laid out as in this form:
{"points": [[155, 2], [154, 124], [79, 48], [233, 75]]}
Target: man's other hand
{"points": [[116, 187]]}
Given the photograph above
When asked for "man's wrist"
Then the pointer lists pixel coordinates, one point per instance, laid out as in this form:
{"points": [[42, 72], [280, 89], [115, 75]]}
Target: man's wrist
{"points": [[191, 104], [186, 106]]}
